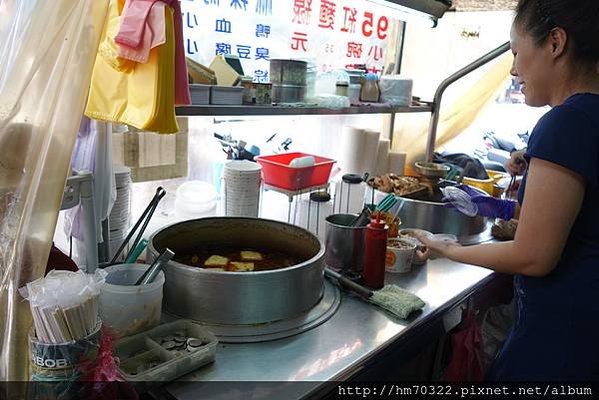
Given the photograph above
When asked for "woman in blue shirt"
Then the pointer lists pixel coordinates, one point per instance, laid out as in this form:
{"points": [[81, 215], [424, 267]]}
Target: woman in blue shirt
{"points": [[555, 253]]}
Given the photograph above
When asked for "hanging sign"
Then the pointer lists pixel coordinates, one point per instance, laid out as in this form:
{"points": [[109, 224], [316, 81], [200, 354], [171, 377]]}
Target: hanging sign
{"points": [[331, 33]]}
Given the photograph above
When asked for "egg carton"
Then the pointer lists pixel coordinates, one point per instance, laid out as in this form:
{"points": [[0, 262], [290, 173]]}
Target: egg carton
{"points": [[165, 353]]}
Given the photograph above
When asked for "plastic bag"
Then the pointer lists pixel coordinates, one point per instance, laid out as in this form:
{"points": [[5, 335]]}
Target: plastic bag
{"points": [[144, 97], [467, 357], [47, 50], [93, 152]]}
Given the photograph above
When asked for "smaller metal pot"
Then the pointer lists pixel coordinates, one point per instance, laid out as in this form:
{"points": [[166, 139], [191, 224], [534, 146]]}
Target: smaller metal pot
{"points": [[282, 93], [344, 243], [288, 72]]}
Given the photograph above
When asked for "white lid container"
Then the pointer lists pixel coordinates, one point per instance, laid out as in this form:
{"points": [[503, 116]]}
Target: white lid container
{"points": [[195, 199]]}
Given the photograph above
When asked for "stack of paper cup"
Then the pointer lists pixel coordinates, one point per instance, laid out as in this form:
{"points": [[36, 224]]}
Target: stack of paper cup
{"points": [[242, 184], [358, 151], [119, 218], [382, 157], [353, 141], [397, 162]]}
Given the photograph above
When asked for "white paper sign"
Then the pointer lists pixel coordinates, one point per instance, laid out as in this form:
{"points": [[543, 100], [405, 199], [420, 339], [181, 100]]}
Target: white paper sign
{"points": [[332, 33]]}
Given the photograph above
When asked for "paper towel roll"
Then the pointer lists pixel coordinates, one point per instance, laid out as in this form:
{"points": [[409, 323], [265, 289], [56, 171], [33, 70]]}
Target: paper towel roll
{"points": [[370, 150], [350, 156], [382, 157], [397, 162]]}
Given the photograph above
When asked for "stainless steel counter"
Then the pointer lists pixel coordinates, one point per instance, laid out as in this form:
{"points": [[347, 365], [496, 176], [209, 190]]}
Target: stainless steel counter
{"points": [[337, 349]]}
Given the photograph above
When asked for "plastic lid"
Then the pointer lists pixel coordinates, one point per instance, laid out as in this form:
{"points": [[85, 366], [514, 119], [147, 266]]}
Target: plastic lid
{"points": [[461, 200], [352, 178], [320, 197]]}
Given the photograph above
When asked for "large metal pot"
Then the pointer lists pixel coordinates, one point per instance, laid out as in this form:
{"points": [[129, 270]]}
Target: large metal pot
{"points": [[235, 298], [436, 218]]}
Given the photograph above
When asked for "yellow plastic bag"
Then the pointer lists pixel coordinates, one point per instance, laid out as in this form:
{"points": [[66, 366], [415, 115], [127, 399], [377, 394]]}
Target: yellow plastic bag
{"points": [[142, 97]]}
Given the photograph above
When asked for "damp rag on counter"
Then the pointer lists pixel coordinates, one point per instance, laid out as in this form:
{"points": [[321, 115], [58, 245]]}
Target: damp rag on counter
{"points": [[391, 298], [396, 300]]}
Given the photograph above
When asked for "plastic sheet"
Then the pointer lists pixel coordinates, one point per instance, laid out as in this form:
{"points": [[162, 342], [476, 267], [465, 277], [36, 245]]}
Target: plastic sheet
{"points": [[47, 51], [93, 152]]}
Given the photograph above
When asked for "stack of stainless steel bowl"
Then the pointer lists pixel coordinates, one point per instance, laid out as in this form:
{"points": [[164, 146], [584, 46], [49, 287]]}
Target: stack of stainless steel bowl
{"points": [[288, 78]]}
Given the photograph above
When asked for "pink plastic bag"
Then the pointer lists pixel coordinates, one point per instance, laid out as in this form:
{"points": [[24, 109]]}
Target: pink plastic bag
{"points": [[466, 363], [154, 35]]}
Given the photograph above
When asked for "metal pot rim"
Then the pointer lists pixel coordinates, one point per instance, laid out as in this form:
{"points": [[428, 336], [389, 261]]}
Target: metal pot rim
{"points": [[193, 269]]}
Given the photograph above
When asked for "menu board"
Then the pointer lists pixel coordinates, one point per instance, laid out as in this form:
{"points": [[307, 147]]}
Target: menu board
{"points": [[330, 33]]}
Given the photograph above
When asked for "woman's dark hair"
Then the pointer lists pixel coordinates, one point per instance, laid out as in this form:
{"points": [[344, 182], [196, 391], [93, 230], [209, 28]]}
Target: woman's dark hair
{"points": [[579, 18]]}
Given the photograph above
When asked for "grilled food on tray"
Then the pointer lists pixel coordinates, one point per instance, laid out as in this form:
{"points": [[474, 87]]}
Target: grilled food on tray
{"points": [[392, 183]]}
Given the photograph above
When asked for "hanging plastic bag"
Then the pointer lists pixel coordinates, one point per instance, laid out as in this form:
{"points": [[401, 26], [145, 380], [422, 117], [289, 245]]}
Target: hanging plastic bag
{"points": [[466, 363], [47, 50], [144, 97]]}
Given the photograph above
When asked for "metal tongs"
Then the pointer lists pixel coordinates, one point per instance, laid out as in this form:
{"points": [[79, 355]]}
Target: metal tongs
{"points": [[145, 219]]}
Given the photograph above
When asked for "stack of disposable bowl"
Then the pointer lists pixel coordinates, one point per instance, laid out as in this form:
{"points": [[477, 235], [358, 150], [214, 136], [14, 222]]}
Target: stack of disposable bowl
{"points": [[119, 215], [241, 188]]}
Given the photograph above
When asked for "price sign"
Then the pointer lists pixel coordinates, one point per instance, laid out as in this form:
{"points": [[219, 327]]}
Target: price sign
{"points": [[331, 33]]}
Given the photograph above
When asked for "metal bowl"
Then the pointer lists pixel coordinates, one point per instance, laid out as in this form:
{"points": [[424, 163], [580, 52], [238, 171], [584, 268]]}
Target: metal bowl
{"points": [[431, 170], [238, 298]]}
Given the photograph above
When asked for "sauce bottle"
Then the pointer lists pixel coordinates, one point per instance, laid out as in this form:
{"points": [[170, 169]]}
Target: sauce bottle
{"points": [[375, 248]]}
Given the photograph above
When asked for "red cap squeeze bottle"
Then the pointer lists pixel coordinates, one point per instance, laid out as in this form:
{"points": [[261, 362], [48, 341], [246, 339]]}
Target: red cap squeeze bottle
{"points": [[375, 248]]}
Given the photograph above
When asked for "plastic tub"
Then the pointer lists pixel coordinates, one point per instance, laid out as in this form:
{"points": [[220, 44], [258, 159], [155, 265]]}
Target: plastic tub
{"points": [[226, 95], [277, 172], [195, 199], [200, 94], [126, 308]]}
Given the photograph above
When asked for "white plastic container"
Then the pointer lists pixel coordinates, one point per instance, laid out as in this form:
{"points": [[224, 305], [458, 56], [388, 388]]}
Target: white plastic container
{"points": [[313, 211], [396, 90], [195, 199], [226, 95], [126, 308], [200, 94]]}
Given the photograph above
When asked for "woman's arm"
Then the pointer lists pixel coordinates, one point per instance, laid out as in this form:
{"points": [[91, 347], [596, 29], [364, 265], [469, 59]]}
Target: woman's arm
{"points": [[552, 202]]}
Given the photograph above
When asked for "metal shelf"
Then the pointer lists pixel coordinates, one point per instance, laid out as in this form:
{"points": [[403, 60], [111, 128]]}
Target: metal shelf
{"points": [[242, 110]]}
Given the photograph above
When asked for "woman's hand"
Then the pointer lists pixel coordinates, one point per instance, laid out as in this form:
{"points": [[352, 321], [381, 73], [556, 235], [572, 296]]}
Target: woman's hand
{"points": [[436, 247], [516, 165]]}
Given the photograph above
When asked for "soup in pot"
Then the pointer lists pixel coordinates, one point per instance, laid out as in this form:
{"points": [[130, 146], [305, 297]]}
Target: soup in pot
{"points": [[233, 259]]}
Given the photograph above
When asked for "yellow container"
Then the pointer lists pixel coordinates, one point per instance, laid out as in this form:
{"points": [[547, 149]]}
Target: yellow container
{"points": [[484, 184], [497, 176]]}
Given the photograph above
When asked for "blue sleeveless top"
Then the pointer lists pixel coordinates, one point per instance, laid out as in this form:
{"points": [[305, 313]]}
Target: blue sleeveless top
{"points": [[555, 336]]}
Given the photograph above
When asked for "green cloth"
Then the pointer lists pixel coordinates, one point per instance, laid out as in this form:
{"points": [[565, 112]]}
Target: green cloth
{"points": [[397, 300]]}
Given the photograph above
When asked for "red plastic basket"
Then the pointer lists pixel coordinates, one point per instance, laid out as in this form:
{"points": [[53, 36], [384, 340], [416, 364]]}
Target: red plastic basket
{"points": [[277, 172]]}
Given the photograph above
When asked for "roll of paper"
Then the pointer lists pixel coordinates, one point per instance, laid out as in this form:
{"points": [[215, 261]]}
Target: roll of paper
{"points": [[370, 150], [382, 157], [397, 162], [351, 154]]}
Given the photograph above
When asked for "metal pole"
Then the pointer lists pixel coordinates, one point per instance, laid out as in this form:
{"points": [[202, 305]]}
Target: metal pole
{"points": [[436, 106]]}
